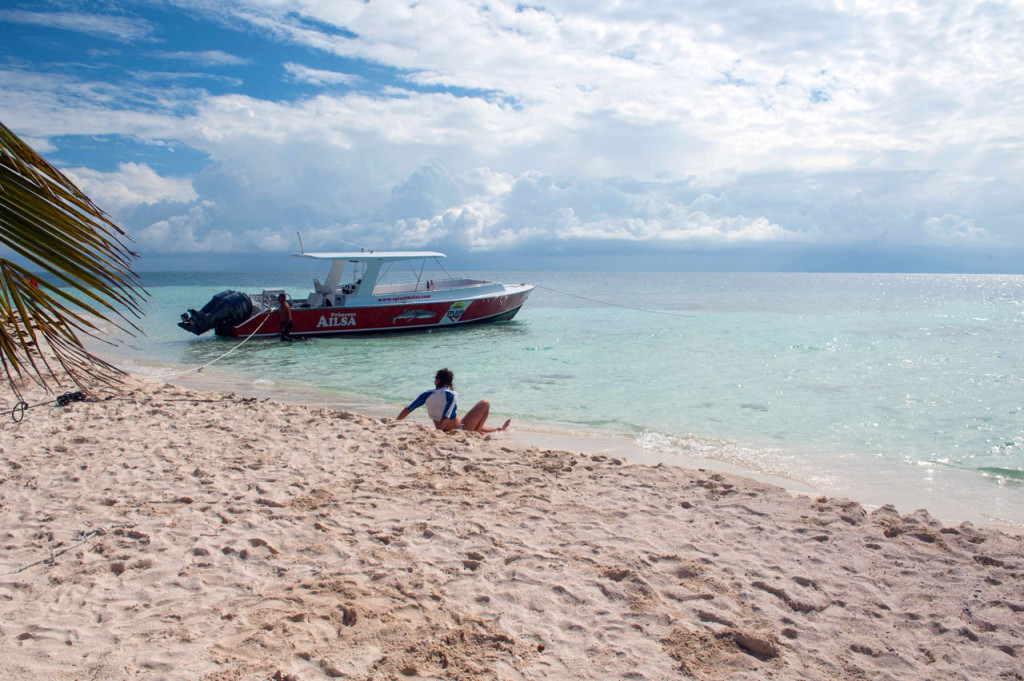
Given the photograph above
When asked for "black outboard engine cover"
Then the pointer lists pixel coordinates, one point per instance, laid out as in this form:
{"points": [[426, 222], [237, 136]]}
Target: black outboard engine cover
{"points": [[224, 310]]}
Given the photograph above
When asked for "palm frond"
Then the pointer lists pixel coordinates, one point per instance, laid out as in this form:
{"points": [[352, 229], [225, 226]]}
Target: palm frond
{"points": [[48, 221]]}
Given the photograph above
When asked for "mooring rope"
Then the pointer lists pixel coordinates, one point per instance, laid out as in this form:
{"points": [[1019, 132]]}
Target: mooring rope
{"points": [[624, 307], [200, 368], [18, 411]]}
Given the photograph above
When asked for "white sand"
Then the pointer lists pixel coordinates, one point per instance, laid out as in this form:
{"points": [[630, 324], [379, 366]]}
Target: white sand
{"points": [[166, 533]]}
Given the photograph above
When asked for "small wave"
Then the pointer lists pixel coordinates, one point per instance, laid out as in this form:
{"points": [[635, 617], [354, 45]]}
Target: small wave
{"points": [[1015, 475], [781, 465], [698, 448]]}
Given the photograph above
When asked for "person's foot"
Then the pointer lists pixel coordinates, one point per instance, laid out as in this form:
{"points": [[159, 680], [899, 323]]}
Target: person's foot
{"points": [[505, 425]]}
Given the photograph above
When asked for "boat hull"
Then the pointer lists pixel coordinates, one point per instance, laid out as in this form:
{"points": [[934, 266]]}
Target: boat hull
{"points": [[406, 316]]}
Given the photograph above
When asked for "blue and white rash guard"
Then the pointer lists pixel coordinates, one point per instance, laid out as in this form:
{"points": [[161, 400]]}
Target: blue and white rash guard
{"points": [[440, 403]]}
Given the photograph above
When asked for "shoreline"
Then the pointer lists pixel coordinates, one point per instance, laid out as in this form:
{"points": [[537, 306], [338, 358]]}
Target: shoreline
{"points": [[162, 532], [805, 426], [522, 432], [618, 445]]}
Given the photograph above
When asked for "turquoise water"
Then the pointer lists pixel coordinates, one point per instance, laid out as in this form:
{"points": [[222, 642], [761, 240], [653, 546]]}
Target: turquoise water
{"points": [[903, 389]]}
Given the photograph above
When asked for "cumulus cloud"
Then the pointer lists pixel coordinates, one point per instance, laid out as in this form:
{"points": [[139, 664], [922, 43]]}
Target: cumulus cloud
{"points": [[479, 210], [954, 229], [483, 210], [131, 185], [186, 233]]}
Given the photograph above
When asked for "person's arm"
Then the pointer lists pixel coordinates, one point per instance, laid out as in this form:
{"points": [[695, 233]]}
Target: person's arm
{"points": [[415, 404]]}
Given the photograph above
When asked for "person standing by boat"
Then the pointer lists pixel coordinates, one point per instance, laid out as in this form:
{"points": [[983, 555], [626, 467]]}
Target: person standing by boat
{"points": [[284, 318], [442, 407]]}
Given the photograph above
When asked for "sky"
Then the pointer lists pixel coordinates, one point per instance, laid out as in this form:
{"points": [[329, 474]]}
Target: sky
{"points": [[808, 135]]}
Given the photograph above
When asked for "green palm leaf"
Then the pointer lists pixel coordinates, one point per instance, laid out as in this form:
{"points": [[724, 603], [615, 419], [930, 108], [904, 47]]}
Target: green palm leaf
{"points": [[48, 221]]}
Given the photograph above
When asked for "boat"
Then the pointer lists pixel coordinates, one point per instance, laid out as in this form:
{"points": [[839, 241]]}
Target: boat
{"points": [[354, 298]]}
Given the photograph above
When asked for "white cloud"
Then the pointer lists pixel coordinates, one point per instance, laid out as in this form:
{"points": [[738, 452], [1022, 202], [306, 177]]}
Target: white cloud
{"points": [[171, 76], [205, 58], [954, 229], [48, 105], [186, 233], [268, 239], [807, 86], [39, 145], [483, 210], [104, 26], [304, 74], [131, 185], [500, 124]]}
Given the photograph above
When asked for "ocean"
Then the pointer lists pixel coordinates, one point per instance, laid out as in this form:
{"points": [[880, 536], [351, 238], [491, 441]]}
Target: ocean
{"points": [[903, 389]]}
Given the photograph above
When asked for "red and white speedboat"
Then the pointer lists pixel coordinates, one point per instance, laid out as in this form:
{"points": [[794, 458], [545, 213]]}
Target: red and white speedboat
{"points": [[354, 299]]}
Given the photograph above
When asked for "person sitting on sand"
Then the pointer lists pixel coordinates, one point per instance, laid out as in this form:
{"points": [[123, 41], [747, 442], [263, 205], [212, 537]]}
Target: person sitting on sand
{"points": [[284, 318], [441, 407]]}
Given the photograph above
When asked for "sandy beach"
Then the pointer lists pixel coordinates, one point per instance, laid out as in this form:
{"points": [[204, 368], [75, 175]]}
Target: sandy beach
{"points": [[159, 532]]}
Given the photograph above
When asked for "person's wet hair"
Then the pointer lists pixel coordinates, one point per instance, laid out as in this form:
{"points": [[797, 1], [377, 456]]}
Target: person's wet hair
{"points": [[445, 377]]}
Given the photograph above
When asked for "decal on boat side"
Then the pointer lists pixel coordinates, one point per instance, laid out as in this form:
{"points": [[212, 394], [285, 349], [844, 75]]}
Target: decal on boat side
{"points": [[455, 312], [336, 319], [412, 315]]}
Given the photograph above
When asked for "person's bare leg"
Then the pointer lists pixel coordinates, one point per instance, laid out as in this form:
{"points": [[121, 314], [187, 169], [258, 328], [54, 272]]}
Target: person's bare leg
{"points": [[477, 417], [504, 426]]}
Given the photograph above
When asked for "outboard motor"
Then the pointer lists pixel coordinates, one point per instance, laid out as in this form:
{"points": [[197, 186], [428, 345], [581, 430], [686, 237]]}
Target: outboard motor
{"points": [[224, 310]]}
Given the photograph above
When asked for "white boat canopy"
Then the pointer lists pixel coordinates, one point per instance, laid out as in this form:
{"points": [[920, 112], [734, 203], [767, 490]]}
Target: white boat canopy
{"points": [[380, 256], [372, 264]]}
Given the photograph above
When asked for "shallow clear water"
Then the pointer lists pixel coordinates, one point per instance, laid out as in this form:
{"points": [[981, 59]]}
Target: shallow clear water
{"points": [[904, 389]]}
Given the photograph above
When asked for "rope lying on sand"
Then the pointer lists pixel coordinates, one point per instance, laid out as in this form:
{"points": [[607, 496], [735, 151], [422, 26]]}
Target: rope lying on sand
{"points": [[18, 411], [82, 538]]}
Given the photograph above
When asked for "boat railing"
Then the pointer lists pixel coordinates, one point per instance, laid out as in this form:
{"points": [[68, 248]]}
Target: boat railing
{"points": [[459, 283], [427, 285]]}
